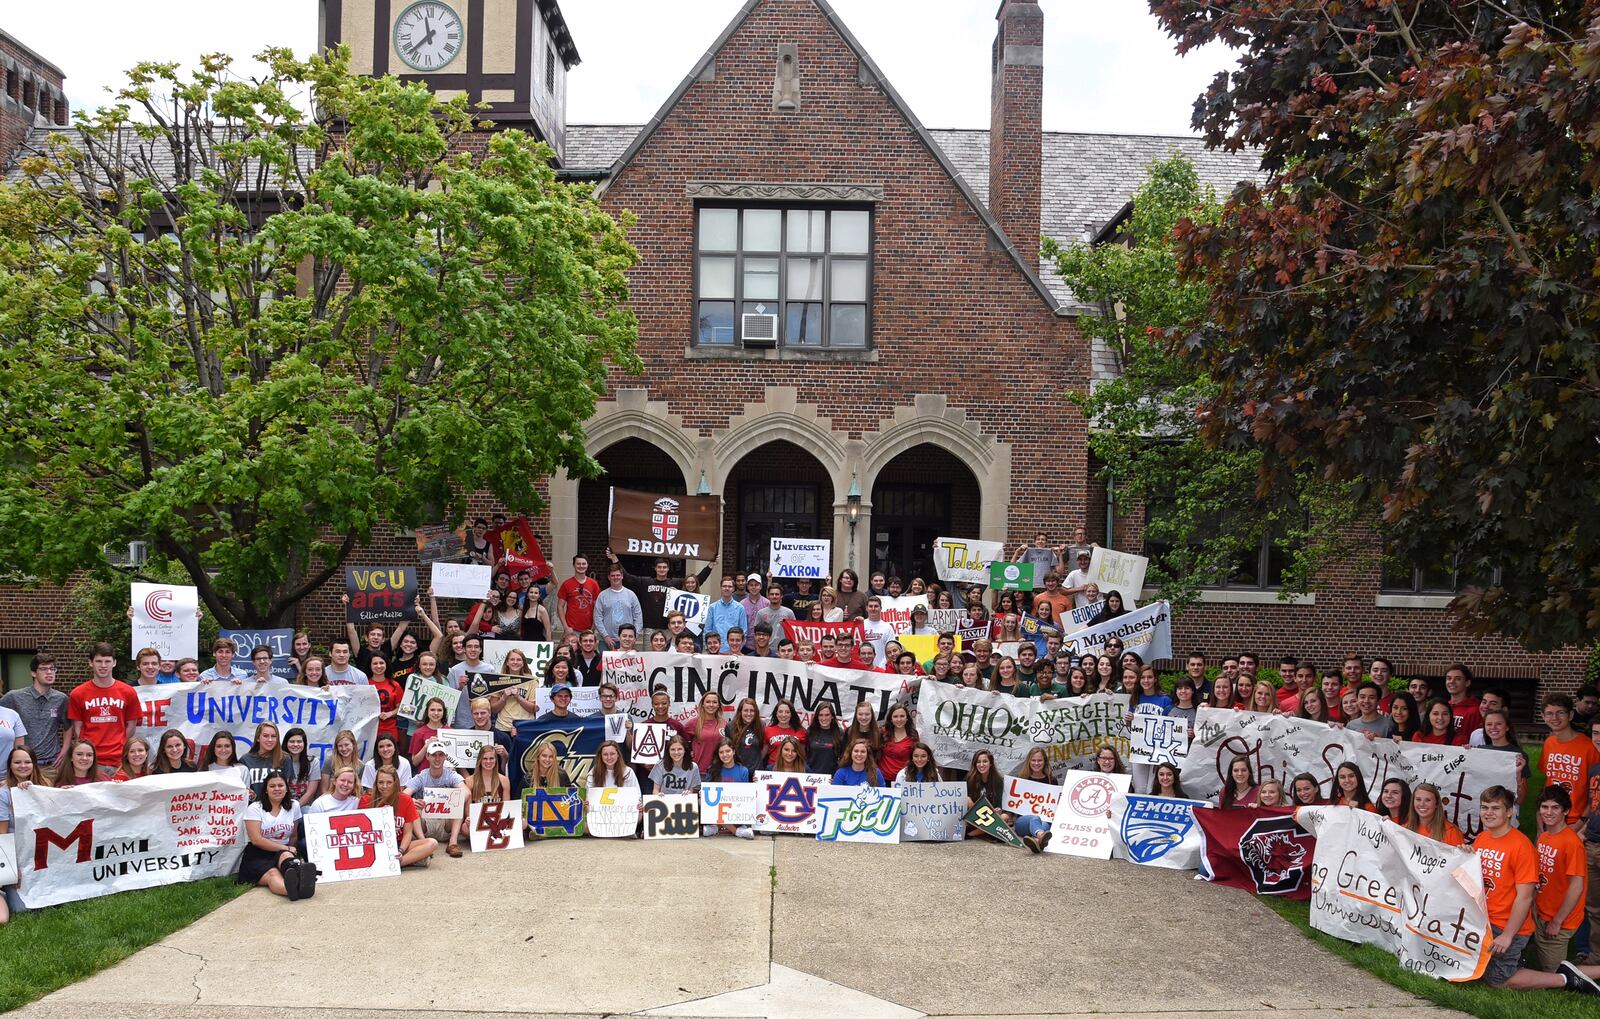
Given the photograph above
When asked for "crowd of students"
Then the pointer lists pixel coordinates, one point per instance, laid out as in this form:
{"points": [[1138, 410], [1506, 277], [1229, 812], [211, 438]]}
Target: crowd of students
{"points": [[1544, 894]]}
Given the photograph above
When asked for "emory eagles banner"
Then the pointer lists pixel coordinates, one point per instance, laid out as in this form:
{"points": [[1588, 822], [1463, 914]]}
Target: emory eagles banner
{"points": [[200, 709], [675, 526], [1377, 883], [1259, 849], [105, 837], [1157, 831]]}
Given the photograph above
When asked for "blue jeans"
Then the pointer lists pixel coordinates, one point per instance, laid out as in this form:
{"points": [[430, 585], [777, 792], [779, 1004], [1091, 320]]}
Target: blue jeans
{"points": [[1029, 824]]}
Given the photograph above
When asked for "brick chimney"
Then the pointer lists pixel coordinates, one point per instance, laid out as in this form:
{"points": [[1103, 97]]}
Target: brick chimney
{"points": [[1015, 103]]}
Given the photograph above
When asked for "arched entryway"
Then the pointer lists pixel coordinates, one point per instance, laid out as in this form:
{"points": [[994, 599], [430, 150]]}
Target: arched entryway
{"points": [[630, 463], [922, 494], [777, 490]]}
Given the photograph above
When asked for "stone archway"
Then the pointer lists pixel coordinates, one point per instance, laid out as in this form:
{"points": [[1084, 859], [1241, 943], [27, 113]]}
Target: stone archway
{"points": [[635, 463]]}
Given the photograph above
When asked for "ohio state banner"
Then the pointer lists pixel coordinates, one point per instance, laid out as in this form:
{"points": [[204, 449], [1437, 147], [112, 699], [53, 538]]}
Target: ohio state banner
{"points": [[675, 526]]}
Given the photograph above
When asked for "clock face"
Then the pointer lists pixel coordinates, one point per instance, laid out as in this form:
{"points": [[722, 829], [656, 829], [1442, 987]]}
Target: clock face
{"points": [[428, 35]]}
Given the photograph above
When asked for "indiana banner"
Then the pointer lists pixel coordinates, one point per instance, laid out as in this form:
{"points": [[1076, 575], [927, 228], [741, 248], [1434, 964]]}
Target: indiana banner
{"points": [[92, 840], [200, 709], [1146, 631], [1259, 849], [965, 560], [1377, 883], [1156, 831], [813, 632], [675, 526], [575, 739]]}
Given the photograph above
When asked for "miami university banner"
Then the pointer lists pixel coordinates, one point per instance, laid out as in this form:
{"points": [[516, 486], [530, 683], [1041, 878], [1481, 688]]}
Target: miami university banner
{"points": [[675, 526]]}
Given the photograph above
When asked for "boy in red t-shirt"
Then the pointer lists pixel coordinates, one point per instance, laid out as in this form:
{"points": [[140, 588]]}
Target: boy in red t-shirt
{"points": [[1510, 877], [1567, 756], [576, 596], [1563, 880], [103, 710]]}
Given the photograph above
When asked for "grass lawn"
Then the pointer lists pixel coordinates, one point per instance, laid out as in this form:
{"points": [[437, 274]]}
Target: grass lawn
{"points": [[1477, 998], [48, 949]]}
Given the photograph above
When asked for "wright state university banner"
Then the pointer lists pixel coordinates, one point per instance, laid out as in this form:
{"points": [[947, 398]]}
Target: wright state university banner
{"points": [[674, 526]]}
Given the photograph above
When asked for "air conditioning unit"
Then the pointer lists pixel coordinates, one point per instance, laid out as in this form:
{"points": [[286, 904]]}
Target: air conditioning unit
{"points": [[757, 330], [138, 553]]}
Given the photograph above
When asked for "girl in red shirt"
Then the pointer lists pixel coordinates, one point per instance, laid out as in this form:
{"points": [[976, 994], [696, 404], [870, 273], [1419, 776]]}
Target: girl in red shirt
{"points": [[1438, 725], [785, 724], [899, 736]]}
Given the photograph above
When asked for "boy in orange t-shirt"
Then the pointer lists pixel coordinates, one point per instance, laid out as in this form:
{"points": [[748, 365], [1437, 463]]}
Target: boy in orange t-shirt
{"points": [[1567, 756], [1563, 880]]}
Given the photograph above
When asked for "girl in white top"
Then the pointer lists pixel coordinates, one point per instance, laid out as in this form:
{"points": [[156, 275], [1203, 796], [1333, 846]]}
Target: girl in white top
{"points": [[345, 794], [269, 822], [831, 612], [385, 752], [221, 754], [609, 771]]}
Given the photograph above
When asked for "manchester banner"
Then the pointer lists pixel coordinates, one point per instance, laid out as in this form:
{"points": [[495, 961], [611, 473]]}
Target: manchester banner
{"points": [[1156, 831], [1122, 572], [965, 560], [957, 722], [674, 526], [353, 845], [167, 618], [91, 840], [1377, 883], [1281, 747], [1147, 632], [200, 709]]}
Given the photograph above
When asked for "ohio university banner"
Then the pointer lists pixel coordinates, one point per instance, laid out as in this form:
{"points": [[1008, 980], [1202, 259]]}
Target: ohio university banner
{"points": [[957, 722], [1281, 747], [92, 840], [200, 709], [674, 526], [1377, 883]]}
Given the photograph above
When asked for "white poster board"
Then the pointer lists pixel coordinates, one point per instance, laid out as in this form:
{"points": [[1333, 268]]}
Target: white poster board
{"points": [[494, 826], [8, 860], [1025, 797], [462, 580], [613, 813], [858, 813], [801, 558], [933, 811], [1122, 572], [440, 804], [1083, 817], [966, 560], [167, 618], [731, 803], [420, 690], [672, 817], [649, 741], [790, 806], [1158, 739], [538, 653], [461, 746], [353, 845], [693, 605]]}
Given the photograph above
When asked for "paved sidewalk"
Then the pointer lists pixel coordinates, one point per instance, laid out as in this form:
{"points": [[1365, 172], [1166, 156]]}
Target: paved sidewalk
{"points": [[594, 927]]}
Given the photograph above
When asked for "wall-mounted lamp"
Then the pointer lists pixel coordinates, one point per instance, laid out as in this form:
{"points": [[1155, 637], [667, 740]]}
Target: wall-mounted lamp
{"points": [[704, 488]]}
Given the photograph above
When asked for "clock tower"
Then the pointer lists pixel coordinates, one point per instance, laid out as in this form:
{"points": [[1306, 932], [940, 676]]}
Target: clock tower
{"points": [[511, 54]]}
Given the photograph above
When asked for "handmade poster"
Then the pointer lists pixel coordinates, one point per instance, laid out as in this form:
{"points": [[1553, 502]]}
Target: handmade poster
{"points": [[858, 813], [554, 811], [692, 604], [585, 700], [790, 807], [985, 817], [1259, 849], [380, 594], [1147, 632], [812, 632], [436, 542], [575, 740], [649, 740], [1025, 797], [199, 709], [492, 826], [674, 526], [167, 618], [1377, 883], [440, 804], [946, 620], [625, 671], [461, 746], [90, 840], [731, 803], [470, 581], [617, 728], [1158, 739], [537, 652], [1079, 616], [965, 560], [420, 690], [353, 845], [1282, 746], [1005, 576], [897, 611], [8, 860], [1156, 831], [279, 640], [932, 811], [957, 722], [924, 645], [801, 558], [672, 817], [613, 813], [1083, 817], [1122, 572]]}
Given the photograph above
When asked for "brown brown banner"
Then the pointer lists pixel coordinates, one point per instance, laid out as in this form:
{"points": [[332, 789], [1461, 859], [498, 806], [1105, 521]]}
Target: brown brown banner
{"points": [[674, 526]]}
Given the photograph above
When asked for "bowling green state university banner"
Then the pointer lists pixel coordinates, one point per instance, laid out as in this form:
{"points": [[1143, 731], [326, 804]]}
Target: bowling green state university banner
{"points": [[674, 526]]}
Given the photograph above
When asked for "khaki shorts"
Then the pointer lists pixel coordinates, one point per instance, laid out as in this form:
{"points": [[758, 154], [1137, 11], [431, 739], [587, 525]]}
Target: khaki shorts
{"points": [[1548, 953]]}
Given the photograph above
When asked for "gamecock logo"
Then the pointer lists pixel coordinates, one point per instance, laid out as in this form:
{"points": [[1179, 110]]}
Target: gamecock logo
{"points": [[1277, 852]]}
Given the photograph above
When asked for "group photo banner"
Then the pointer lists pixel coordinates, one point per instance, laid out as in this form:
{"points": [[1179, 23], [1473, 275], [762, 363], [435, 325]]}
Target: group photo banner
{"points": [[957, 722], [200, 709], [965, 560], [674, 526], [91, 840], [1281, 747], [1147, 632]]}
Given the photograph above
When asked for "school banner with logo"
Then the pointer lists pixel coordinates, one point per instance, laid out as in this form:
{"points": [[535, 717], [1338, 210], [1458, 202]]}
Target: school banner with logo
{"points": [[858, 813], [1157, 832], [494, 826], [575, 739], [1377, 883], [790, 804], [380, 594], [199, 709], [1005, 576], [813, 632], [554, 811], [514, 544], [1122, 572], [353, 845], [420, 690], [985, 817], [1079, 616], [1146, 632], [897, 611], [692, 604], [673, 526], [1073, 729], [731, 803], [279, 640], [1259, 849], [1159, 739], [613, 813], [1038, 632], [965, 560], [1082, 825], [1281, 747], [800, 558], [91, 840], [932, 811], [461, 746], [672, 817], [957, 722], [167, 618]]}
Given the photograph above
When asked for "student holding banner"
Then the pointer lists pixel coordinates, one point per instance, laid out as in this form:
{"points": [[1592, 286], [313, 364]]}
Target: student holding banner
{"points": [[415, 847]]}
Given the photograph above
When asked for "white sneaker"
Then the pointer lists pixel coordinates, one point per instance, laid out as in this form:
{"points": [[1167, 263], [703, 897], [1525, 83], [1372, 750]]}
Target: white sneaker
{"points": [[708, 830], [744, 832]]}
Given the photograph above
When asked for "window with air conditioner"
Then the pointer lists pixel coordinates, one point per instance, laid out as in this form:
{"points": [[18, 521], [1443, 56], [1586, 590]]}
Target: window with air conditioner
{"points": [[771, 276]]}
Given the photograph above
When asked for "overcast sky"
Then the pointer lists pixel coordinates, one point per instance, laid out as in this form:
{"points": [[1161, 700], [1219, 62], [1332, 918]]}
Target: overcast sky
{"points": [[1108, 65]]}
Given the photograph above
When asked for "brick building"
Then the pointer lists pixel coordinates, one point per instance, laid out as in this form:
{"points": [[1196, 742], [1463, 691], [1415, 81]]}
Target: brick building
{"points": [[846, 329]]}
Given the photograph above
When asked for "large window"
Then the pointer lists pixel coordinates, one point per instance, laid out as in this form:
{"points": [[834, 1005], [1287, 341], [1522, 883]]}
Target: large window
{"points": [[1256, 568], [773, 276], [1446, 576]]}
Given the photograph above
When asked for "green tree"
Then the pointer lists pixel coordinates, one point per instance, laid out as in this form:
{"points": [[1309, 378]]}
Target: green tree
{"points": [[1409, 303], [248, 335], [1203, 501]]}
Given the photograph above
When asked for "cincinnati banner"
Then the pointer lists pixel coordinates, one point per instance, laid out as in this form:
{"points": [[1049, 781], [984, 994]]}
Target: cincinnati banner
{"points": [[674, 526]]}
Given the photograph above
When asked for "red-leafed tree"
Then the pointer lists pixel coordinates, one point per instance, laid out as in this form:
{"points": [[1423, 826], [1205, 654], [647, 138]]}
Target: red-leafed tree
{"points": [[1410, 303]]}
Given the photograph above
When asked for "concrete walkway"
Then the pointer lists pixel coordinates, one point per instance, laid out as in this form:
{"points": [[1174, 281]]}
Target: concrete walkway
{"points": [[722, 927]]}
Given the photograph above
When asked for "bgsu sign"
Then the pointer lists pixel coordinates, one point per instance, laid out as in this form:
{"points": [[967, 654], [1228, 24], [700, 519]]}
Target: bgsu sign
{"points": [[675, 526], [353, 845]]}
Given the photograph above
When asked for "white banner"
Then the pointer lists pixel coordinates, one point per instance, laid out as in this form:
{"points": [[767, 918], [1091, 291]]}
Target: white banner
{"points": [[1281, 747], [790, 807], [420, 690], [1158, 739], [1147, 632], [494, 825], [441, 804], [933, 811], [462, 580], [1377, 883], [1083, 818], [353, 845], [957, 722], [649, 742], [461, 746], [8, 860], [613, 813], [167, 618], [672, 817], [1122, 572], [1156, 831], [200, 709], [858, 813], [801, 558], [538, 653], [732, 803], [1025, 797], [693, 605], [966, 560], [897, 611], [91, 840]]}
